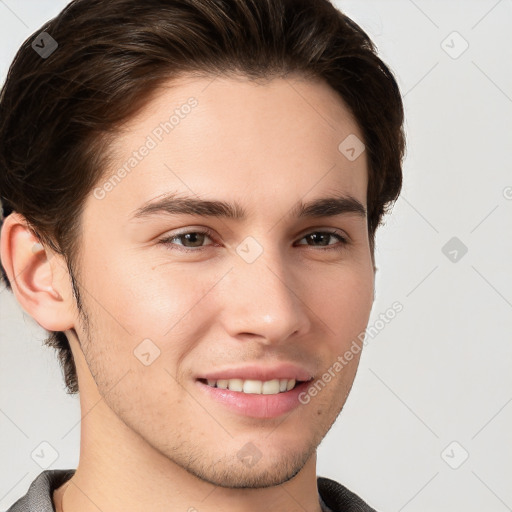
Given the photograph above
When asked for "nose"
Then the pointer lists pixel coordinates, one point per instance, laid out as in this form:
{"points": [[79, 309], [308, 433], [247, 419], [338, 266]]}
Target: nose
{"points": [[265, 299]]}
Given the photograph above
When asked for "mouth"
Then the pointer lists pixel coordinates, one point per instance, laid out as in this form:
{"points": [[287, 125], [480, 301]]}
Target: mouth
{"points": [[253, 398], [254, 387]]}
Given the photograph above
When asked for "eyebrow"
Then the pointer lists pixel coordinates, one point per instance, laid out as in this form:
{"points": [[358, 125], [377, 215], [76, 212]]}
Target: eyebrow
{"points": [[172, 205]]}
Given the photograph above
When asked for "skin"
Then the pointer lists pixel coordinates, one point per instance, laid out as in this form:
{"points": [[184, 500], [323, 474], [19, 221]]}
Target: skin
{"points": [[149, 439]]}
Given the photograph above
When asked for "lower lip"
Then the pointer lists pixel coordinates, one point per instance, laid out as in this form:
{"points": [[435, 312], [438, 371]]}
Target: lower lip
{"points": [[254, 405]]}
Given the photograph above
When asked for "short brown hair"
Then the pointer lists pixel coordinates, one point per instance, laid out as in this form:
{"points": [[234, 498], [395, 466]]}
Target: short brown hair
{"points": [[59, 114]]}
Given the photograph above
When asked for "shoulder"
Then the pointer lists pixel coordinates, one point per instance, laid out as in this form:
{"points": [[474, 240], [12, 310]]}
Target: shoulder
{"points": [[38, 497], [340, 499]]}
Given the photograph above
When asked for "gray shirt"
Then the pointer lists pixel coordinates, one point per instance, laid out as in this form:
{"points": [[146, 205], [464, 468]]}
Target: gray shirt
{"points": [[334, 497]]}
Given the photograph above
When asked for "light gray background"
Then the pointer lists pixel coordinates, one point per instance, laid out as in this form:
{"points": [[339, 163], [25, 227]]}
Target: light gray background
{"points": [[441, 370]]}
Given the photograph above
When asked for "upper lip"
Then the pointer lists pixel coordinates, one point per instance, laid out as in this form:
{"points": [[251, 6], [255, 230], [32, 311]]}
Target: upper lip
{"points": [[258, 372]]}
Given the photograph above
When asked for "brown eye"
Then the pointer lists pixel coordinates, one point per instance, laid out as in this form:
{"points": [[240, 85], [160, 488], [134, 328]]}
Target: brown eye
{"points": [[322, 238], [194, 240], [190, 240]]}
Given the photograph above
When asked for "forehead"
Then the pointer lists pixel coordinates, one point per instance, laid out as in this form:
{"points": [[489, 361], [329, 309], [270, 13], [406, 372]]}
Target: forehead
{"points": [[231, 138]]}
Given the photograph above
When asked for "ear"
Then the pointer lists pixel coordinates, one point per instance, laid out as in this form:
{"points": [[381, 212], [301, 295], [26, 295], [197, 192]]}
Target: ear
{"points": [[39, 278]]}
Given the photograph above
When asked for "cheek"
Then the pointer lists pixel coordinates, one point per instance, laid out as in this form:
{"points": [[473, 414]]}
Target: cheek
{"points": [[343, 299], [151, 299]]}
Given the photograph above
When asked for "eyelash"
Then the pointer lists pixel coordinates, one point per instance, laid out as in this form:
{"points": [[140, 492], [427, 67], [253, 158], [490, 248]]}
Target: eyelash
{"points": [[167, 241]]}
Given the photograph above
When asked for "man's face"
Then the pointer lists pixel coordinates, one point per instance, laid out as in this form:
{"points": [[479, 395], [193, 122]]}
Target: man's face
{"points": [[270, 288]]}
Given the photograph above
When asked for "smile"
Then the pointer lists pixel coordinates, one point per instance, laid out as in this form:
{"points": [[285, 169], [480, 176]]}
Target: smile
{"points": [[250, 386], [247, 398]]}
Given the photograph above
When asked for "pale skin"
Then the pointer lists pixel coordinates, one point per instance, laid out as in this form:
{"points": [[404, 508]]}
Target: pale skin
{"points": [[149, 439]]}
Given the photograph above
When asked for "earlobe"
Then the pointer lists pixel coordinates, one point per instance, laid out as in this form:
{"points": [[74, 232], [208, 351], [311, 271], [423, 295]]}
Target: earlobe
{"points": [[34, 280]]}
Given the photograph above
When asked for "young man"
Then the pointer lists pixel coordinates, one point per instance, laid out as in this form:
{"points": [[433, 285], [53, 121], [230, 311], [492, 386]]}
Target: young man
{"points": [[190, 194]]}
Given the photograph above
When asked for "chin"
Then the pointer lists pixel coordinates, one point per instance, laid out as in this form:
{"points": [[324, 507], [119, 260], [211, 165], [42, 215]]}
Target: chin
{"points": [[253, 474], [251, 479]]}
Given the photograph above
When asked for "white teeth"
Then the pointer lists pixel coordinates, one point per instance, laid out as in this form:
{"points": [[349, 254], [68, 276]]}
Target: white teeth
{"points": [[256, 387], [220, 384], [235, 384], [270, 387], [252, 386]]}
